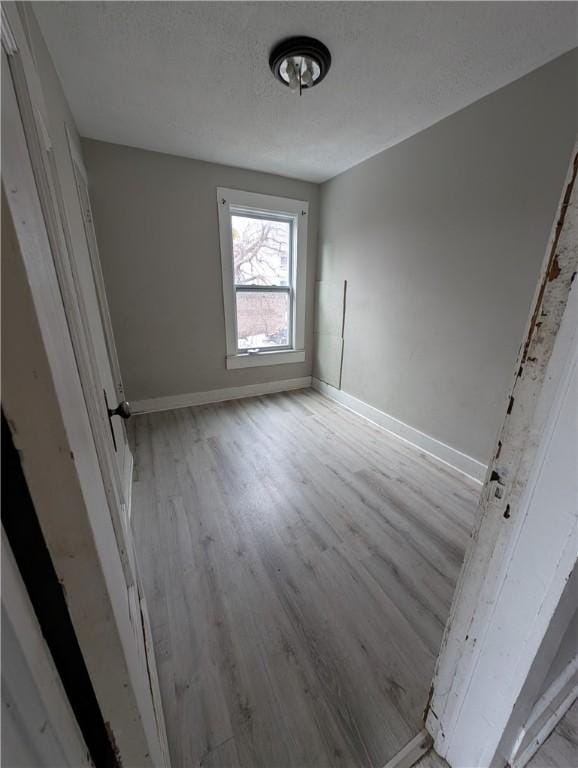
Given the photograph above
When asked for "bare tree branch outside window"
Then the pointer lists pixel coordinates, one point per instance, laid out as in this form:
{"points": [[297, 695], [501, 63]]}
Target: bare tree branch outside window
{"points": [[260, 251]]}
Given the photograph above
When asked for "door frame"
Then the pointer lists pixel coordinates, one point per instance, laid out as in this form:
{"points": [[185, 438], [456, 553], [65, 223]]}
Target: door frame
{"points": [[48, 710], [505, 600], [46, 407], [34, 117], [35, 709]]}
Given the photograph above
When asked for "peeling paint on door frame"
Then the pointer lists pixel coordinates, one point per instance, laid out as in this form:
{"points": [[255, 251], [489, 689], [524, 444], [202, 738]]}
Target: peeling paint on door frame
{"points": [[501, 513]]}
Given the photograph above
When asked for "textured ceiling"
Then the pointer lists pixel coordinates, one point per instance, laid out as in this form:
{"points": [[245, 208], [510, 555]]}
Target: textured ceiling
{"points": [[192, 78]]}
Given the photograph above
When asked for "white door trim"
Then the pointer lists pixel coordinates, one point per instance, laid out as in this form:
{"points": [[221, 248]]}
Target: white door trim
{"points": [[511, 581]]}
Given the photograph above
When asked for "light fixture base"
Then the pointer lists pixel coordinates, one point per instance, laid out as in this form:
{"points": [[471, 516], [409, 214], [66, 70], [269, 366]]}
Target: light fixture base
{"points": [[295, 51]]}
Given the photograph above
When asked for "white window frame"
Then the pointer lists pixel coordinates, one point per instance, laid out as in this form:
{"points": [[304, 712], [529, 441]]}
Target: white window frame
{"points": [[234, 201]]}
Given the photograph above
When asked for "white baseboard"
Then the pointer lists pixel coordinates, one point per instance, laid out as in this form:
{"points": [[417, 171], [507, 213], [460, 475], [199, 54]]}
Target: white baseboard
{"points": [[412, 752], [218, 395], [460, 461], [547, 713]]}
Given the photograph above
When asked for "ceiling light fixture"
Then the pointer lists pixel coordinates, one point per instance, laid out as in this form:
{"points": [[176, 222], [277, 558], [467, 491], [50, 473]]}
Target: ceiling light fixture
{"points": [[300, 63]]}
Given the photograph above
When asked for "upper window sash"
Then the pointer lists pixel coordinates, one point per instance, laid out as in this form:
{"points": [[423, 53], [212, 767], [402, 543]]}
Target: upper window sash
{"points": [[268, 216]]}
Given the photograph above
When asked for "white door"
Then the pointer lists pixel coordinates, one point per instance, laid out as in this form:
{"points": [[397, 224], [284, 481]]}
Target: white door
{"points": [[63, 194], [100, 324]]}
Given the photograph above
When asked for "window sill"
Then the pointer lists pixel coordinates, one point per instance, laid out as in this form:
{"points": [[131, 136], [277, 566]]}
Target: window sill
{"points": [[266, 358]]}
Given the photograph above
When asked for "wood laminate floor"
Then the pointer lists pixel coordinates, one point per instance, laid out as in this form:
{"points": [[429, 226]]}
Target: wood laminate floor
{"points": [[299, 564]]}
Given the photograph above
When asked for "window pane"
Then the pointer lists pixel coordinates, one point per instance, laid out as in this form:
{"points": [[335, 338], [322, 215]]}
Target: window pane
{"points": [[262, 320], [260, 251]]}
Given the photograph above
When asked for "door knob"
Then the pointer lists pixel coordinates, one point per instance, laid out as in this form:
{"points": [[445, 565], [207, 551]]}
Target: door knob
{"points": [[122, 410]]}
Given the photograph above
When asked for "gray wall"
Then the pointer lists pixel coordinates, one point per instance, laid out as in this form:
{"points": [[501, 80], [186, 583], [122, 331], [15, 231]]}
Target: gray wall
{"points": [[440, 239], [156, 222]]}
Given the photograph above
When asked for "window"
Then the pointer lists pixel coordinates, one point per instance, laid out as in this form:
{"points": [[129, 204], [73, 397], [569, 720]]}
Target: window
{"points": [[263, 259]]}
